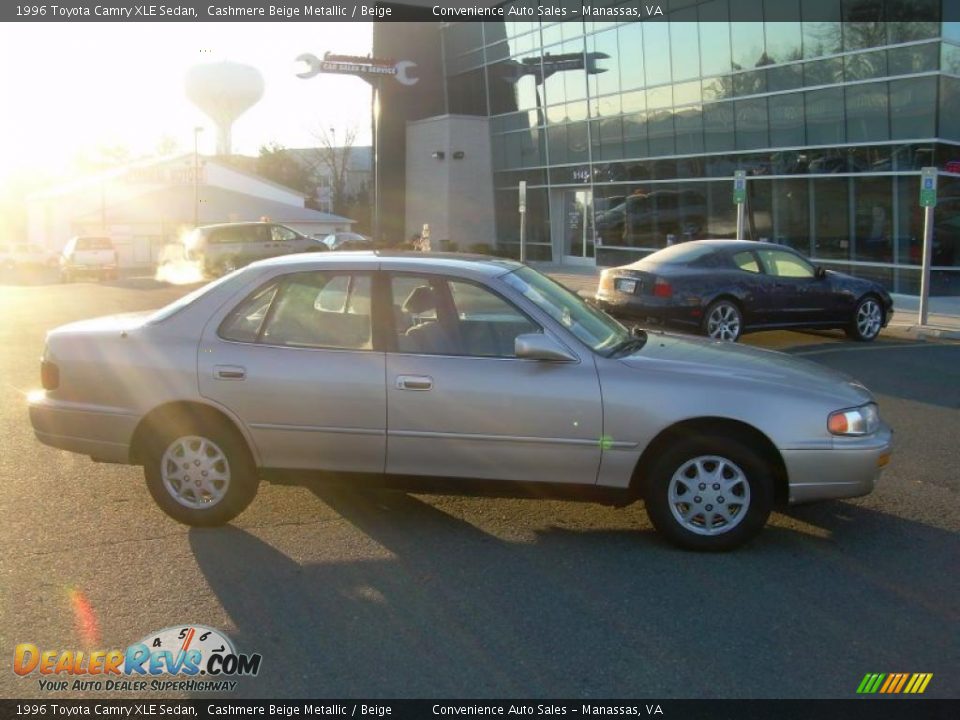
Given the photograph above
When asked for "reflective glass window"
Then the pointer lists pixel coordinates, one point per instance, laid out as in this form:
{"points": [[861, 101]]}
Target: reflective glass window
{"points": [[912, 20], [631, 55], [873, 219], [865, 66], [821, 28], [863, 24], [831, 213], [824, 114], [751, 123], [786, 120], [688, 122], [656, 52], [913, 59], [718, 127], [823, 72], [684, 44], [609, 81], [949, 108], [791, 203], [785, 77], [913, 108], [660, 132], [867, 113], [714, 32], [782, 30]]}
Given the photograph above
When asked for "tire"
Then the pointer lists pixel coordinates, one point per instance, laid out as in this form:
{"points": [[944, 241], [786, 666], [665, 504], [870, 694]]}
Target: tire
{"points": [[723, 321], [683, 484], [867, 320], [215, 449]]}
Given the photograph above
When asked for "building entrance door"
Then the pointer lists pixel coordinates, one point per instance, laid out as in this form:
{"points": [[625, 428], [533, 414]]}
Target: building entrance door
{"points": [[577, 231]]}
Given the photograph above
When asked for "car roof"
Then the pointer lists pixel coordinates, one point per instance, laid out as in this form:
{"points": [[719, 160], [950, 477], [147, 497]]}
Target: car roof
{"points": [[738, 244], [214, 226], [396, 260]]}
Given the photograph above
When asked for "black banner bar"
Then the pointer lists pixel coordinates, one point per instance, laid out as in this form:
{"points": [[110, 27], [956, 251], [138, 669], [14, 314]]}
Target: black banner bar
{"points": [[865, 709], [444, 11]]}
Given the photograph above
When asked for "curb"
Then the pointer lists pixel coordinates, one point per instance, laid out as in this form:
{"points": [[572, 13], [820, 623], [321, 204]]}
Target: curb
{"points": [[928, 331]]}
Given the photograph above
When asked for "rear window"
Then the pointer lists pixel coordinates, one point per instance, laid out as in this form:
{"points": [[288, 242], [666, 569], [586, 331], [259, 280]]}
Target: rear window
{"points": [[94, 243], [681, 254]]}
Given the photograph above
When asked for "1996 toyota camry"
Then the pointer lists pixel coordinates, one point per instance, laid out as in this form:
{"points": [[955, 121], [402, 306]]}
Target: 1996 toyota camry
{"points": [[449, 373]]}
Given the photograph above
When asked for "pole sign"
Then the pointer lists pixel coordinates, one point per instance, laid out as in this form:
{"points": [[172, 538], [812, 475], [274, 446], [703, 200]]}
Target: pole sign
{"points": [[523, 196], [739, 187], [367, 68], [928, 187]]}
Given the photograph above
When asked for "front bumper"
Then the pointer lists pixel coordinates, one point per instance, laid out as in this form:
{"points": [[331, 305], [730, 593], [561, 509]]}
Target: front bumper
{"points": [[102, 433], [850, 469]]}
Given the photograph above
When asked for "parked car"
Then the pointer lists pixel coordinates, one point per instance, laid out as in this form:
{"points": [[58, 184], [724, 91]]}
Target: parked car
{"points": [[225, 247], [92, 256], [347, 241], [449, 373], [24, 255], [727, 287]]}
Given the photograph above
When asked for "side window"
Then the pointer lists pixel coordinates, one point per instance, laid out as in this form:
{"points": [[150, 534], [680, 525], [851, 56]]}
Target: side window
{"points": [[488, 325], [746, 261], [244, 323], [281, 234], [436, 317], [220, 236], [255, 234], [322, 310], [785, 264]]}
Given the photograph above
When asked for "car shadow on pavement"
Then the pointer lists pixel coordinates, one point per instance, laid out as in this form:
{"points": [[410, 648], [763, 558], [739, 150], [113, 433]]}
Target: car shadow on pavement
{"points": [[438, 607]]}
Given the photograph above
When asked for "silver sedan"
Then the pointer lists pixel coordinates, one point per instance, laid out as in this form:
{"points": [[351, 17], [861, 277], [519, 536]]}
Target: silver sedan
{"points": [[449, 372]]}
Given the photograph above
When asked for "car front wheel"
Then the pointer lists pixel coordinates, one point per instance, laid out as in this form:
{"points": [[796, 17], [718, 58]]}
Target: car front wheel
{"points": [[867, 320], [723, 321], [709, 493], [201, 476]]}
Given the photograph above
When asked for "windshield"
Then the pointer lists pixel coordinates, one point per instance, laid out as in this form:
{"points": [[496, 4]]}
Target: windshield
{"points": [[180, 303], [594, 328]]}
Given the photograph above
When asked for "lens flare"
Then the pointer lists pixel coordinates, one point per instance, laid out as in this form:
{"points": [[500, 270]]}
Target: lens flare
{"points": [[84, 618]]}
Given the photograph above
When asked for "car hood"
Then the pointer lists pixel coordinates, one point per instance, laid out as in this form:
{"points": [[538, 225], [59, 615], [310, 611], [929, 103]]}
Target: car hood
{"points": [[106, 324], [725, 360]]}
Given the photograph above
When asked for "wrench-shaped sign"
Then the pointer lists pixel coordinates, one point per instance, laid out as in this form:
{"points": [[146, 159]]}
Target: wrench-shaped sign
{"points": [[315, 66]]}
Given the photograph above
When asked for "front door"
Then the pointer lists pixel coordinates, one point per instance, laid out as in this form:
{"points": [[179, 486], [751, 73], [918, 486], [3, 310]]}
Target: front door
{"points": [[460, 404], [295, 362]]}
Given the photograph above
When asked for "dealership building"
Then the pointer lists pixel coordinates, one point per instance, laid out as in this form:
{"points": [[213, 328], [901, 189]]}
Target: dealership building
{"points": [[628, 133]]}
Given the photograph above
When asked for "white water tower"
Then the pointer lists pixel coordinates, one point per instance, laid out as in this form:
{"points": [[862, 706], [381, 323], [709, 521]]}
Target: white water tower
{"points": [[224, 91]]}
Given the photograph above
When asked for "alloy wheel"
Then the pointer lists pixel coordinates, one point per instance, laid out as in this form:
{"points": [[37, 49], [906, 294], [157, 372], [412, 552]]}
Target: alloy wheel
{"points": [[709, 495], [195, 472], [869, 318], [723, 323]]}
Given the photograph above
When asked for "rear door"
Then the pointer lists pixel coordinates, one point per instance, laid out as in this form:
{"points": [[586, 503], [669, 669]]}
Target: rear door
{"points": [[295, 362]]}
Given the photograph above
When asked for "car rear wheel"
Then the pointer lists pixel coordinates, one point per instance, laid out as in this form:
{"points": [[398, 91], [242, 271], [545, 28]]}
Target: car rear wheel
{"points": [[709, 493], [867, 320], [201, 476], [723, 321]]}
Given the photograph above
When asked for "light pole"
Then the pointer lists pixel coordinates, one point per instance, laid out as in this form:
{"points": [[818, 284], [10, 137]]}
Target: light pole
{"points": [[196, 175], [333, 178]]}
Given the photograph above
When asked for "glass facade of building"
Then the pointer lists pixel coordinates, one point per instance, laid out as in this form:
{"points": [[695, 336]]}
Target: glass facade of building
{"points": [[628, 133]]}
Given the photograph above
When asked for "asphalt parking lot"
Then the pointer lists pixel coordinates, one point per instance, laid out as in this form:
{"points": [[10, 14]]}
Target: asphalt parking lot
{"points": [[393, 595]]}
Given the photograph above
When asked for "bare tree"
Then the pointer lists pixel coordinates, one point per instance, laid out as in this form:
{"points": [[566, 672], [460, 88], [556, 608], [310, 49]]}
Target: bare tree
{"points": [[333, 155]]}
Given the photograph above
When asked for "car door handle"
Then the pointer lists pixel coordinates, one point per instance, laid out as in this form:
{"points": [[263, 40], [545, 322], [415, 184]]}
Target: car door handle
{"points": [[229, 372], [414, 382]]}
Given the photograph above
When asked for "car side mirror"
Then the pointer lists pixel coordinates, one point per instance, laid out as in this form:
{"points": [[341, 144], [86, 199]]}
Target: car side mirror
{"points": [[819, 273], [538, 346]]}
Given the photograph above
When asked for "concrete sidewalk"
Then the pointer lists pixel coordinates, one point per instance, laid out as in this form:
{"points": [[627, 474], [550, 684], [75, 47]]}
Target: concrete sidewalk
{"points": [[943, 319]]}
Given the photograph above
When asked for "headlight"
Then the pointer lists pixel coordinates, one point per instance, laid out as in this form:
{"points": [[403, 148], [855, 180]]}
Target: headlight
{"points": [[862, 420]]}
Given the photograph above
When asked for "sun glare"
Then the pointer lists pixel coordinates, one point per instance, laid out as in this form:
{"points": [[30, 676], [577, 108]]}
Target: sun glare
{"points": [[73, 92]]}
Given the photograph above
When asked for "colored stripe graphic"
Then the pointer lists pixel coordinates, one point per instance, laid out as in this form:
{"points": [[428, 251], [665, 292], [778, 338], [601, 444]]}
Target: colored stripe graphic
{"points": [[894, 683]]}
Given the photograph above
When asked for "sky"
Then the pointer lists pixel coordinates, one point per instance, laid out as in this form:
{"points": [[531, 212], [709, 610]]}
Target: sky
{"points": [[68, 88]]}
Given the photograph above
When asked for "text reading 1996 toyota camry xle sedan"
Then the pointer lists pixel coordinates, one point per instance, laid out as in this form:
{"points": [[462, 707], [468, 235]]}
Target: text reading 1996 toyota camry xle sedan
{"points": [[449, 373]]}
